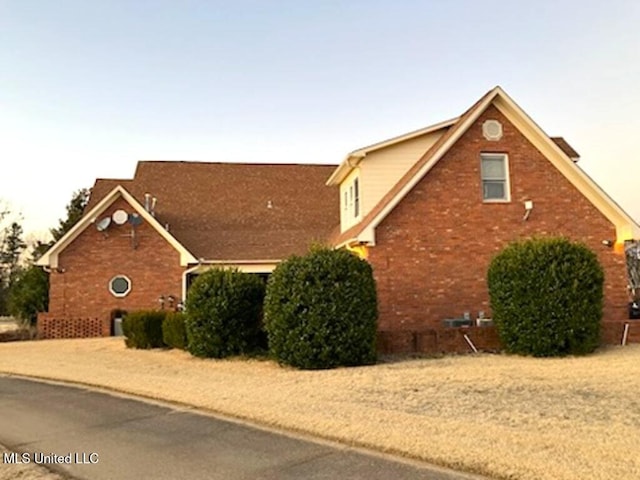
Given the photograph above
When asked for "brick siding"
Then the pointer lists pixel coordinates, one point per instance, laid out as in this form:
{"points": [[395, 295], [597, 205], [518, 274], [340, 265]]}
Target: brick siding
{"points": [[485, 339], [51, 326], [87, 265], [433, 250], [438, 340]]}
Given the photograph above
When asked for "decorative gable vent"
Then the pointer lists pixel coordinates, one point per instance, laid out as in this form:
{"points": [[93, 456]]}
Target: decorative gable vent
{"points": [[492, 130]]}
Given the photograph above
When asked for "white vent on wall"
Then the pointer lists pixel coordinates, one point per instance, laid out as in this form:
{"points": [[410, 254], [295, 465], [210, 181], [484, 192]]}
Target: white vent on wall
{"points": [[492, 130]]}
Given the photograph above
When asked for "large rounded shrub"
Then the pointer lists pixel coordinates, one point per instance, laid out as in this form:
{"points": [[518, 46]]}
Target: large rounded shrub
{"points": [[546, 297], [321, 311], [224, 313]]}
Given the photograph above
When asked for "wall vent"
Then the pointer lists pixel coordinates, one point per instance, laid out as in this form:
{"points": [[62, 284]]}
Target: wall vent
{"points": [[492, 130]]}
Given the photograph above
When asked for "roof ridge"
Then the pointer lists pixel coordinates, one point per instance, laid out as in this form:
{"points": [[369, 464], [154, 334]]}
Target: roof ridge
{"points": [[205, 162]]}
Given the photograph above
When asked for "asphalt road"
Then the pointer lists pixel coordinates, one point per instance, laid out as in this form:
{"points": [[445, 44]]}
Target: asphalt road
{"points": [[112, 437]]}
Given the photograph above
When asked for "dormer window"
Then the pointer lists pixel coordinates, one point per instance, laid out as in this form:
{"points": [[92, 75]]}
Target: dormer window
{"points": [[351, 208], [356, 197]]}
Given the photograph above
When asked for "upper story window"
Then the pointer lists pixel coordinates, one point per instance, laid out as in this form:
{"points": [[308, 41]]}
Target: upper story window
{"points": [[351, 201], [495, 177], [356, 197]]}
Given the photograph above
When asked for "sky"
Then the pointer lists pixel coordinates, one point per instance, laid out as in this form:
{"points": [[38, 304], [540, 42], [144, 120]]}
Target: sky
{"points": [[88, 88]]}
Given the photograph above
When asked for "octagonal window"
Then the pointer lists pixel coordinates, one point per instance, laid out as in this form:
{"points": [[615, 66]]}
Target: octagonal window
{"points": [[120, 286]]}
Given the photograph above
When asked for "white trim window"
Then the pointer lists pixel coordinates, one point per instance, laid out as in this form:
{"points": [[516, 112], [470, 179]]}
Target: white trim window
{"points": [[494, 170], [120, 286], [356, 197]]}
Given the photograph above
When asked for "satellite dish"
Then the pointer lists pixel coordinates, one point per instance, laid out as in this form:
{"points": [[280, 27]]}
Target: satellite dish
{"points": [[120, 217], [135, 219], [103, 224]]}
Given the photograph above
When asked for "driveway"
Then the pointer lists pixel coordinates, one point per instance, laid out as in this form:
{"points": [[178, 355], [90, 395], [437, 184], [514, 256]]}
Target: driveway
{"points": [[106, 437]]}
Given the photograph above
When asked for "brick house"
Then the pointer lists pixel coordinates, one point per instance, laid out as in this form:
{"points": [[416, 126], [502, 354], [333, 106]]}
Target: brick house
{"points": [[427, 209], [142, 240]]}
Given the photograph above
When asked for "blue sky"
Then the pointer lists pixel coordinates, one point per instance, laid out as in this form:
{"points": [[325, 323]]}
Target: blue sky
{"points": [[87, 88]]}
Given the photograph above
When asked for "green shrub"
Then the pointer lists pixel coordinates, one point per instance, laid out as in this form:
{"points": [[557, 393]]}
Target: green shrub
{"points": [[143, 329], [174, 333], [546, 297], [29, 294], [321, 311], [224, 313]]}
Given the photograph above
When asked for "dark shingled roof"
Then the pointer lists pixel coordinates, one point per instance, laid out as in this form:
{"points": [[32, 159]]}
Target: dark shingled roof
{"points": [[566, 148], [236, 211]]}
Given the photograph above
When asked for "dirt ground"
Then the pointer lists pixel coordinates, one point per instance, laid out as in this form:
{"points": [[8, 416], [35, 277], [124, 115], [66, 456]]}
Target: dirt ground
{"points": [[503, 416]]}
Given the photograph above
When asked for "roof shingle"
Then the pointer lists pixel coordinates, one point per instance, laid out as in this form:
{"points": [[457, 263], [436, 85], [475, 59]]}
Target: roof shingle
{"points": [[236, 211]]}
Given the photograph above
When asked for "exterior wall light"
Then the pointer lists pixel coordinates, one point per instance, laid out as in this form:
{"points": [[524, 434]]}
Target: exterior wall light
{"points": [[528, 206]]}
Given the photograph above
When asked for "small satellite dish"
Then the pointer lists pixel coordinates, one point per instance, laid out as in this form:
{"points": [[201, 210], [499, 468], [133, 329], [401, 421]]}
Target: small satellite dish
{"points": [[103, 224], [135, 219], [120, 217]]}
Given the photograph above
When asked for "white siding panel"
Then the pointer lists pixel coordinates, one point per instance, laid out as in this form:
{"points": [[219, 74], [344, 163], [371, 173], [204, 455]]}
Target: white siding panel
{"points": [[380, 170]]}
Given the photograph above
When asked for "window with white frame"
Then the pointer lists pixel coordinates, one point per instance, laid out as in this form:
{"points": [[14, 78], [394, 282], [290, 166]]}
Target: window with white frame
{"points": [[120, 286], [494, 170], [356, 197], [351, 196]]}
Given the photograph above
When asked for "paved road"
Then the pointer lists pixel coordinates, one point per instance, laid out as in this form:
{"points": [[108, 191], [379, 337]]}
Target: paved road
{"points": [[111, 437]]}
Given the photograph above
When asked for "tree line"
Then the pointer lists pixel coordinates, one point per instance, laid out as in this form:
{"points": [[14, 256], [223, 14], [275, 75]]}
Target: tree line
{"points": [[24, 287]]}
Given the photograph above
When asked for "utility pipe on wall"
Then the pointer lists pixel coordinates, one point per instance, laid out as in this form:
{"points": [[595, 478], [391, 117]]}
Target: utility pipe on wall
{"points": [[473, 347], [625, 334]]}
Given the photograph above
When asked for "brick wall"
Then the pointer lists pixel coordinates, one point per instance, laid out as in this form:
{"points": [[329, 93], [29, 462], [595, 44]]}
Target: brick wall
{"points": [[51, 326], [94, 258], [613, 332], [485, 339], [433, 250], [438, 340]]}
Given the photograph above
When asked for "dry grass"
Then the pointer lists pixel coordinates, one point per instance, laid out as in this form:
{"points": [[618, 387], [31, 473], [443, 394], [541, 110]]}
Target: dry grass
{"points": [[508, 417], [17, 471]]}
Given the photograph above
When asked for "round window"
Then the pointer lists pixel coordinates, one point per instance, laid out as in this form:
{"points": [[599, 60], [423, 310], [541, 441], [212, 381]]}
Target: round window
{"points": [[120, 286]]}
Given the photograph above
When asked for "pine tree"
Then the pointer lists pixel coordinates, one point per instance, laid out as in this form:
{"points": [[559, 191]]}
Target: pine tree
{"points": [[75, 210], [11, 247]]}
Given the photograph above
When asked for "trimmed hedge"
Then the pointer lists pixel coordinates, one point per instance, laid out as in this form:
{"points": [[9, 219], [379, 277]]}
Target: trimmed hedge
{"points": [[224, 313], [321, 311], [174, 332], [143, 329], [546, 297]]}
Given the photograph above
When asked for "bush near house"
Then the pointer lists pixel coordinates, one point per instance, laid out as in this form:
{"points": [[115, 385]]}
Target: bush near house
{"points": [[174, 333], [143, 329], [29, 294], [321, 311], [546, 297], [224, 313]]}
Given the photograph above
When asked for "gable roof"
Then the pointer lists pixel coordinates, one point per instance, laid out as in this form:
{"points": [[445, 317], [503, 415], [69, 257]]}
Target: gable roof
{"points": [[353, 158], [558, 152], [233, 212], [50, 258]]}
